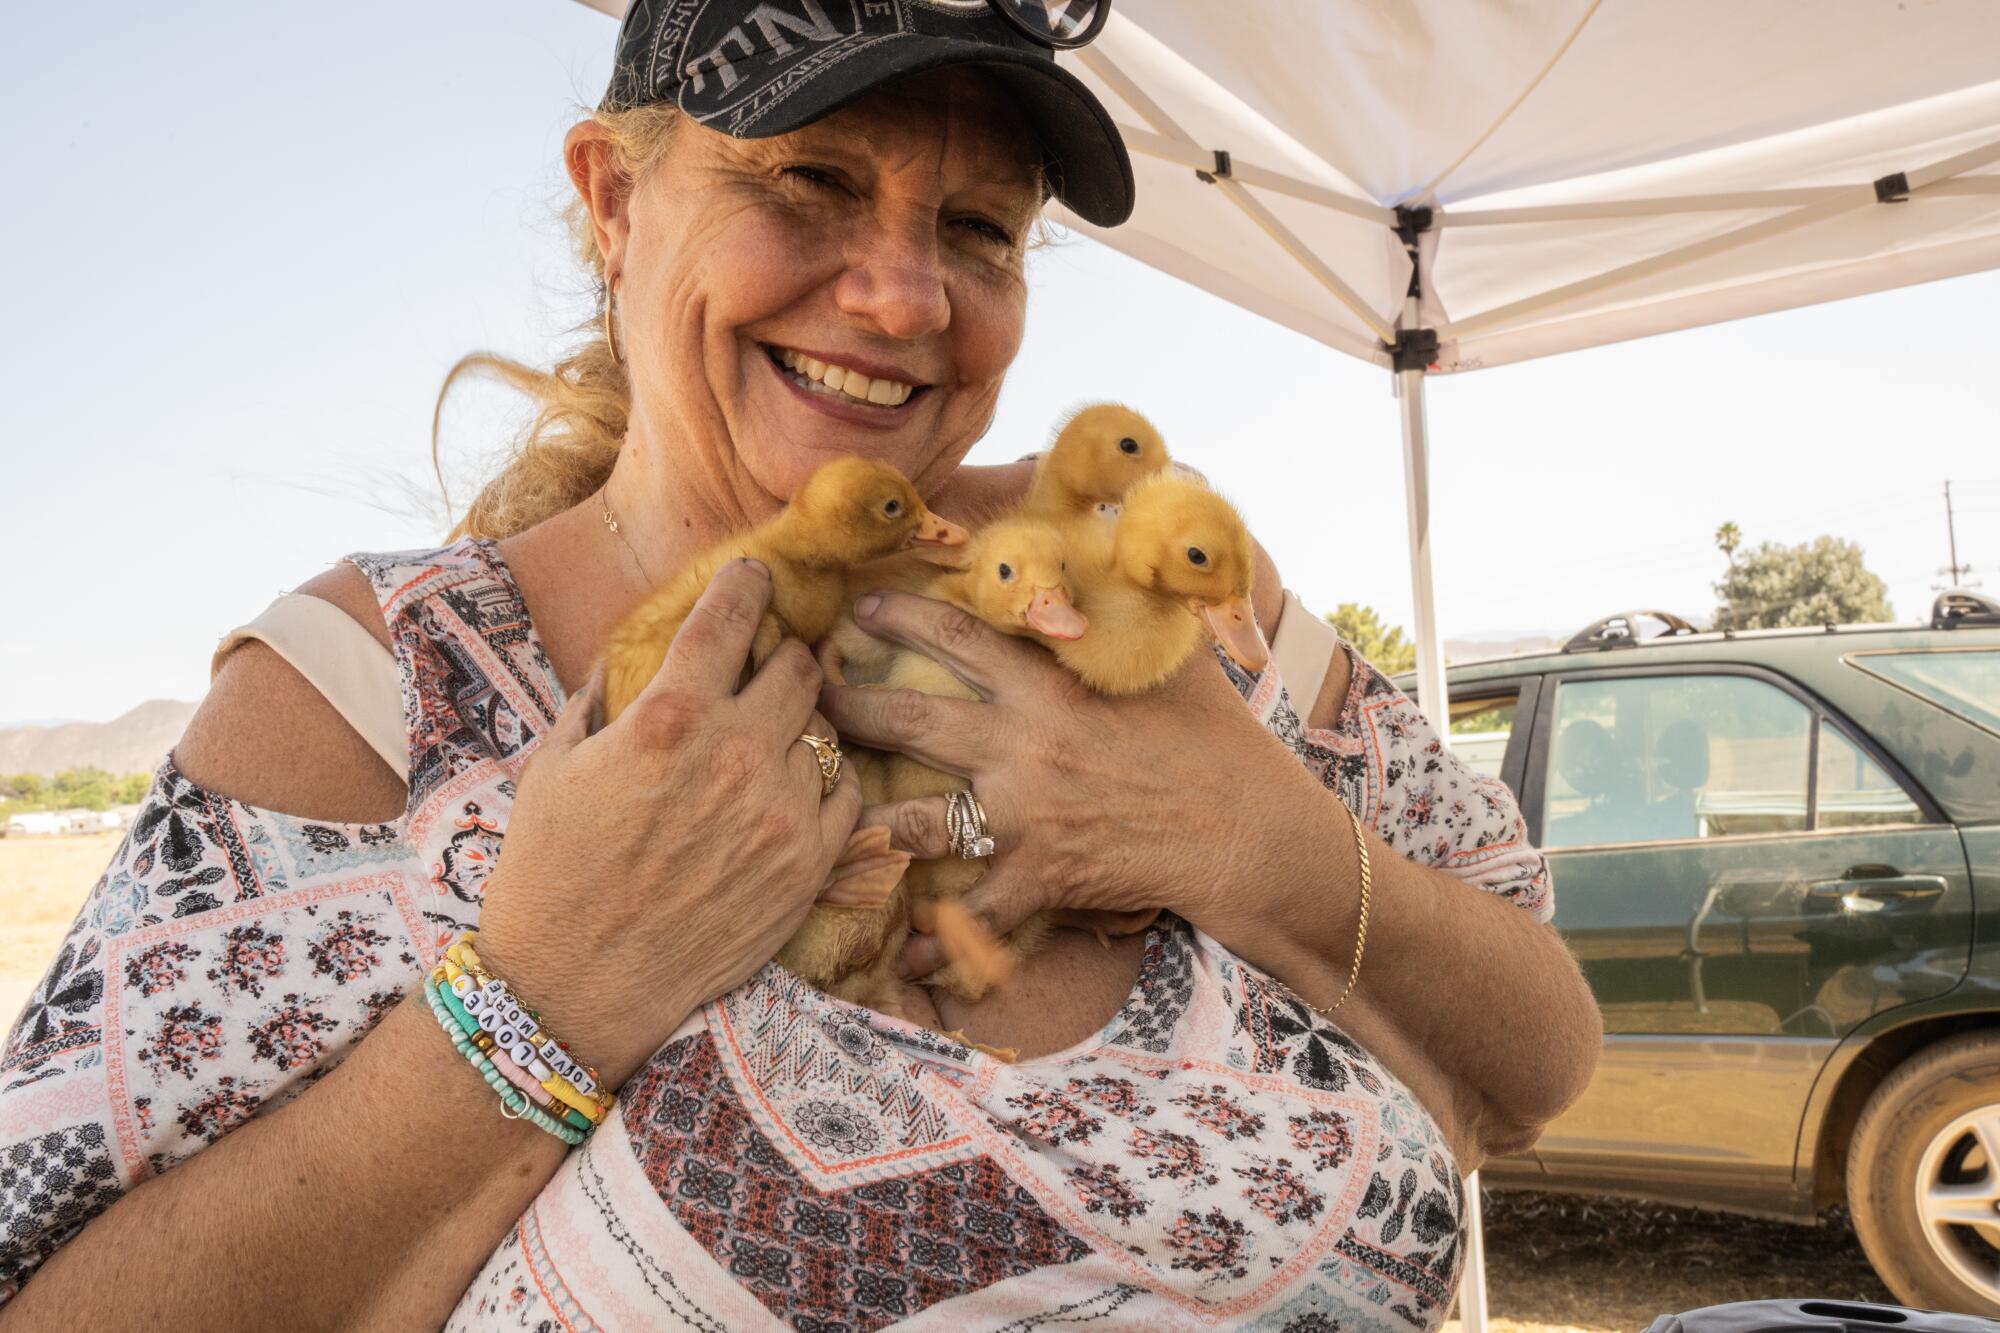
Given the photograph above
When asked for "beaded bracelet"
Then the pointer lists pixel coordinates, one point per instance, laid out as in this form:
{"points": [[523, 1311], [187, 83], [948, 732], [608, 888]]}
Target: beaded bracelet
{"points": [[494, 1003], [481, 1015], [514, 1104], [526, 1022], [548, 1089], [523, 1079]]}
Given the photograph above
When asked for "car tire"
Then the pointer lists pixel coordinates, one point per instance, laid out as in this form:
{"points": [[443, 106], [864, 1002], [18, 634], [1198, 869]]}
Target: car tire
{"points": [[1917, 1132]]}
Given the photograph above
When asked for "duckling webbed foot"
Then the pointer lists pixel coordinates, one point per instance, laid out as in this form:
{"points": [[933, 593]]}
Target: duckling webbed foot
{"points": [[868, 871]]}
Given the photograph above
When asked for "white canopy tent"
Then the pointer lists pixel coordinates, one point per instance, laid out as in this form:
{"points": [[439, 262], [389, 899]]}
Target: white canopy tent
{"points": [[1442, 185], [1438, 186]]}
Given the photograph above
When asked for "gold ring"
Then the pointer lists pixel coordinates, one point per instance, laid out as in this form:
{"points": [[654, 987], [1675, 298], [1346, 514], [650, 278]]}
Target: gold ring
{"points": [[829, 757]]}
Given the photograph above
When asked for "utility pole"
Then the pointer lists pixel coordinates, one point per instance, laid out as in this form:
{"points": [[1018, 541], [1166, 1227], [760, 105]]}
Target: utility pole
{"points": [[1955, 574]]}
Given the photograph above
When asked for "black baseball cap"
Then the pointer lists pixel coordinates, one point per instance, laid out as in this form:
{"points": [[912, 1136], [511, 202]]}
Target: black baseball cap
{"points": [[756, 68]]}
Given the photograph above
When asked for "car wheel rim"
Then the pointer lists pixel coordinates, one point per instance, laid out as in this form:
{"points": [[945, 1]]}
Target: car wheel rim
{"points": [[1958, 1198]]}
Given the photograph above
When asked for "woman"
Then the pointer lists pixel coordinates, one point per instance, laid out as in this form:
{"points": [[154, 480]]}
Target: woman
{"points": [[1186, 1139]]}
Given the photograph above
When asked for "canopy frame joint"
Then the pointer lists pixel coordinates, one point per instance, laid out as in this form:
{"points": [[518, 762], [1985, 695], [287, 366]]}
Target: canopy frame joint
{"points": [[1893, 188], [1223, 169], [1414, 349], [1412, 223]]}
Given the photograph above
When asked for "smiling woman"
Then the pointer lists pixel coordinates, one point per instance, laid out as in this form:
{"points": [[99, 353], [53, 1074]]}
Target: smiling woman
{"points": [[274, 1076]]}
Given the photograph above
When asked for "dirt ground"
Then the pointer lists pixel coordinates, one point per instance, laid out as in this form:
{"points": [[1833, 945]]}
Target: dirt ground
{"points": [[1555, 1263], [1559, 1263], [42, 883]]}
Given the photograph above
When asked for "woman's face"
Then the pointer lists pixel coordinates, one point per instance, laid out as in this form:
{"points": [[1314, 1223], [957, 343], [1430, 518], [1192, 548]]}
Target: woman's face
{"points": [[880, 250]]}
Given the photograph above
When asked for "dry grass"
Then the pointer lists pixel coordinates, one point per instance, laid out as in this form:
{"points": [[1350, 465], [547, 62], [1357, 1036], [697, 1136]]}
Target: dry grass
{"points": [[42, 883], [1559, 1263], [1556, 1263]]}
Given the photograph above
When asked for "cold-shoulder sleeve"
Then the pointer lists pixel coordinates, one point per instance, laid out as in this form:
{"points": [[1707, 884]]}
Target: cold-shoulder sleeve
{"points": [[1384, 759], [225, 960], [230, 957]]}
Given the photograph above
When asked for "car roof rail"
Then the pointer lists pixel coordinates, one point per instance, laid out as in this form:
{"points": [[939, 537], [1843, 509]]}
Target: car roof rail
{"points": [[1622, 631], [1962, 606]]}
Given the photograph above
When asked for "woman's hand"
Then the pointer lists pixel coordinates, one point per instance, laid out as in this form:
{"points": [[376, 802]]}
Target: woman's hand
{"points": [[659, 862], [1119, 804]]}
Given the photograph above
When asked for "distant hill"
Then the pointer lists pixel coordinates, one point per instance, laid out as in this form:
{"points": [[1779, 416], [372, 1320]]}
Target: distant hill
{"points": [[1498, 645], [133, 743]]}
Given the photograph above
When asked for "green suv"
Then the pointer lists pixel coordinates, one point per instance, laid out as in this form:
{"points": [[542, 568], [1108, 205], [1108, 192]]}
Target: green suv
{"points": [[1776, 854]]}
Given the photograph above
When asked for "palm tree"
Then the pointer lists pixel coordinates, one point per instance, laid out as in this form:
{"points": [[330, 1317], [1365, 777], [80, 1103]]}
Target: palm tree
{"points": [[1728, 537]]}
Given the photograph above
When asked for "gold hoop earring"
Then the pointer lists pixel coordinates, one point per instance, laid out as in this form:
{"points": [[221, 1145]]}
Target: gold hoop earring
{"points": [[610, 322]]}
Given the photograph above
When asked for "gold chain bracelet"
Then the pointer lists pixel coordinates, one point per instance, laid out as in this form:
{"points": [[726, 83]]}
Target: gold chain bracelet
{"points": [[1361, 931]]}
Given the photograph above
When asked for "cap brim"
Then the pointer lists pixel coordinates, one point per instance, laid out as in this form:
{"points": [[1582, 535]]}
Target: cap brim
{"points": [[1088, 167]]}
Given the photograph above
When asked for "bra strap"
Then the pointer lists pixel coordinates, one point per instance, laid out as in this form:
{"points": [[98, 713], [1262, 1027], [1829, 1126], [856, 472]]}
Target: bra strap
{"points": [[1303, 649], [341, 660]]}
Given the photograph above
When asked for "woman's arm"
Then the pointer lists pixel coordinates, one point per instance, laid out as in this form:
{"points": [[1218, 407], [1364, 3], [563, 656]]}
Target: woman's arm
{"points": [[677, 848], [369, 1201], [374, 1189], [1470, 1000], [1178, 798]]}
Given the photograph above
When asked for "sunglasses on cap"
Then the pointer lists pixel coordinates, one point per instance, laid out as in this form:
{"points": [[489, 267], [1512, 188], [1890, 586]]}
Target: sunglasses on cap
{"points": [[1062, 25]]}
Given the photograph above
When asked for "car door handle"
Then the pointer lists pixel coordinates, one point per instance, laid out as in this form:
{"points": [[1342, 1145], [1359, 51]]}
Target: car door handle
{"points": [[1882, 888]]}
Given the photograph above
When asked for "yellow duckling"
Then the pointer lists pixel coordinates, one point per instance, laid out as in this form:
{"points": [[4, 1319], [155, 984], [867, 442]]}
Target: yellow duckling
{"points": [[1177, 561], [1098, 455], [850, 511], [1016, 582], [1101, 452], [1019, 584]]}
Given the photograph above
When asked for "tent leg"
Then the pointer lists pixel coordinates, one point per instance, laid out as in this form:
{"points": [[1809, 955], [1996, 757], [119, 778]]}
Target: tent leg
{"points": [[1472, 1287], [1436, 703], [1431, 695]]}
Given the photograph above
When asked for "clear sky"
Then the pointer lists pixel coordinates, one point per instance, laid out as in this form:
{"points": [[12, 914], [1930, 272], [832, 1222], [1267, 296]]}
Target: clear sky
{"points": [[245, 240]]}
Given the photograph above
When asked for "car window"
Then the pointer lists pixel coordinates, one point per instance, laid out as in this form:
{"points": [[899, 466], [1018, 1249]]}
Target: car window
{"points": [[1965, 683], [1853, 791], [1650, 758], [1479, 731]]}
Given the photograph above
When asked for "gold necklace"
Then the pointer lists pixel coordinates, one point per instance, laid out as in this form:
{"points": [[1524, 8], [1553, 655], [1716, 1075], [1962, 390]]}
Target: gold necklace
{"points": [[611, 522]]}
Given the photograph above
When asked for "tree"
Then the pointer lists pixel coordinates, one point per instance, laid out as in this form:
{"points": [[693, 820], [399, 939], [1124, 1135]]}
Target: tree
{"points": [[82, 788], [28, 788], [1727, 538], [73, 788], [1821, 582], [1383, 645]]}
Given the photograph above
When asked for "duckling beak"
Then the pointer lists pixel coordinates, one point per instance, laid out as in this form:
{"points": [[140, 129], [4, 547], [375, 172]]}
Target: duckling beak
{"points": [[1051, 614], [1233, 625], [935, 531]]}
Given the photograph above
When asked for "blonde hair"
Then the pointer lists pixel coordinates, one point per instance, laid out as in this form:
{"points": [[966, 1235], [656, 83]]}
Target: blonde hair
{"points": [[568, 449]]}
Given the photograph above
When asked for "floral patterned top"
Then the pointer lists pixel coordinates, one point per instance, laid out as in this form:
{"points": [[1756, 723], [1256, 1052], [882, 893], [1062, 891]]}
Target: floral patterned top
{"points": [[1217, 1153]]}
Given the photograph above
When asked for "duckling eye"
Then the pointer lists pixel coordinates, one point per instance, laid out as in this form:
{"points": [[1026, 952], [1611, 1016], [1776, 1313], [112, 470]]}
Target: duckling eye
{"points": [[1197, 557], [893, 508], [1006, 572], [1128, 445]]}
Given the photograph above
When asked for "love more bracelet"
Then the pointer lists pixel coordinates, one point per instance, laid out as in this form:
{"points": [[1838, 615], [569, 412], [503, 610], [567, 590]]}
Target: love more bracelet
{"points": [[528, 1066], [489, 998]]}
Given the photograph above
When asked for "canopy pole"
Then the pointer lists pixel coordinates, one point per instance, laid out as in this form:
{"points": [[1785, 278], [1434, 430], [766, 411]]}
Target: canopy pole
{"points": [[1431, 695], [1436, 704]]}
